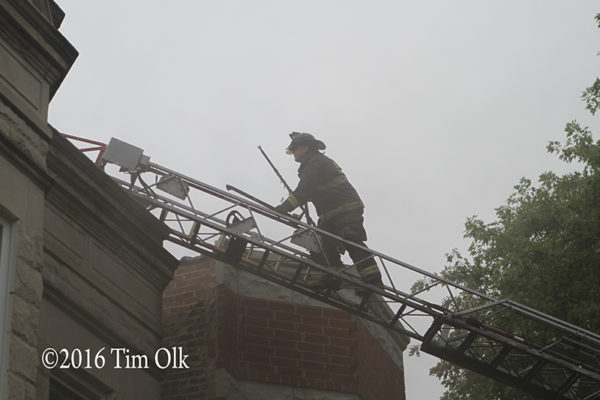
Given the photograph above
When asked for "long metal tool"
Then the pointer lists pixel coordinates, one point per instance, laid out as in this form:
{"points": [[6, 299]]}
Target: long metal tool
{"points": [[540, 354], [248, 195], [304, 207]]}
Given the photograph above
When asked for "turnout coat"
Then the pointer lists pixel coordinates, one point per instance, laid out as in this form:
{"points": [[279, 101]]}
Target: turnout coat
{"points": [[337, 203]]}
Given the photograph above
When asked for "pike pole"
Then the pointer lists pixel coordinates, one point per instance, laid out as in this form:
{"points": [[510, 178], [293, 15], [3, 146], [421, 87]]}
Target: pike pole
{"points": [[304, 207]]}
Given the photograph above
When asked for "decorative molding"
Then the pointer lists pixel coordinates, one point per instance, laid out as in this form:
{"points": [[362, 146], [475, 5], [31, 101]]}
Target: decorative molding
{"points": [[24, 27], [89, 197], [18, 76]]}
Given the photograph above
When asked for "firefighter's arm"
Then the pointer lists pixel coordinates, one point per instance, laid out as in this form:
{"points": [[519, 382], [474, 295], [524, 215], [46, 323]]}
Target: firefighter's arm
{"points": [[309, 181], [284, 207], [290, 203]]}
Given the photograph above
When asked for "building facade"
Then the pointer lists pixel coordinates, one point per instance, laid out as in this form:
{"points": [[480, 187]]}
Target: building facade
{"points": [[83, 273], [81, 264]]}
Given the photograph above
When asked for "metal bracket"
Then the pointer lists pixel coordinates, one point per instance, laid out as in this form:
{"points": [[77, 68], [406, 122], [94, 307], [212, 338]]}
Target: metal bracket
{"points": [[174, 186], [125, 155], [243, 225], [307, 239]]}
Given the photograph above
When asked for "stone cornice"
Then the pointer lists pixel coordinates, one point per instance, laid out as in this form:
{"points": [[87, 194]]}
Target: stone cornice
{"points": [[36, 39], [86, 194]]}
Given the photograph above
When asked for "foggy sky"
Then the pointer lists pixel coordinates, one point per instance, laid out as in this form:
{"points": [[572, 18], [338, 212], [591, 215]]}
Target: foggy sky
{"points": [[434, 110]]}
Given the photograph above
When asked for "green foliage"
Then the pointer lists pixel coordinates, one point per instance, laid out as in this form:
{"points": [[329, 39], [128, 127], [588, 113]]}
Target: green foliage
{"points": [[543, 251], [591, 97]]}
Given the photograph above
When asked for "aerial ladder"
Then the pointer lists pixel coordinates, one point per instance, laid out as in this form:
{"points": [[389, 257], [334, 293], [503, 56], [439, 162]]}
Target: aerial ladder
{"points": [[544, 356]]}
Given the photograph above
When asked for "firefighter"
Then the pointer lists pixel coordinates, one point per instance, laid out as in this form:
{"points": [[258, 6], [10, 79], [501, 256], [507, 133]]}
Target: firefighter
{"points": [[338, 206]]}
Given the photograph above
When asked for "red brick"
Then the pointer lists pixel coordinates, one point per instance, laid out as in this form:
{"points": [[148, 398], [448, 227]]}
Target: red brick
{"points": [[261, 340], [259, 331], [290, 372], [317, 329], [256, 321], [253, 348], [311, 320], [191, 282], [286, 344], [348, 379], [320, 357], [284, 362], [289, 335], [257, 312], [282, 325], [343, 342], [311, 365], [339, 351], [284, 316], [331, 313], [316, 375], [337, 333], [317, 348], [340, 369], [226, 301], [310, 338], [339, 323], [279, 306], [176, 298], [288, 353], [178, 311], [343, 360], [309, 310], [256, 358]]}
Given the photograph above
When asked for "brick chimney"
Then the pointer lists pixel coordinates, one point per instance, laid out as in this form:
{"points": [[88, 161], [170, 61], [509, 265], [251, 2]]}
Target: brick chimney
{"points": [[248, 338]]}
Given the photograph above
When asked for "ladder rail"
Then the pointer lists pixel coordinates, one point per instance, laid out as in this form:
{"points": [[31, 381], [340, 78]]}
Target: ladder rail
{"points": [[290, 221], [565, 364], [421, 306], [397, 296]]}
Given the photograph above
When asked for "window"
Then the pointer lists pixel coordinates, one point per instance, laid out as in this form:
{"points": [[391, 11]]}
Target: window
{"points": [[7, 266]]}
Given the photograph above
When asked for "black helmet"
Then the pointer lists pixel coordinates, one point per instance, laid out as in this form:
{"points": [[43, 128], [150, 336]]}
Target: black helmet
{"points": [[299, 138]]}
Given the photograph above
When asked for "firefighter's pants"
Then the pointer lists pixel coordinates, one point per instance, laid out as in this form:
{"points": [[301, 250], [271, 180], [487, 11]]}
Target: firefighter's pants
{"points": [[348, 226]]}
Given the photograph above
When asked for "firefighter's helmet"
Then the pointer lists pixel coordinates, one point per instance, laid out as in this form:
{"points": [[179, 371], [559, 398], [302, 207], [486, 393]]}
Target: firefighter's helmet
{"points": [[300, 138]]}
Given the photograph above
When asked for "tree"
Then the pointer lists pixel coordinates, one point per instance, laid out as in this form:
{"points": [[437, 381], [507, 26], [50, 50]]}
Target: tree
{"points": [[542, 251]]}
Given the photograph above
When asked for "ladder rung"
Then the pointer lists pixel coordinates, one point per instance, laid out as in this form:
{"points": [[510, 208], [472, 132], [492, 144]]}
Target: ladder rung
{"points": [[297, 274], [467, 342], [534, 370], [568, 383], [163, 214], [500, 356], [263, 260], [398, 314]]}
